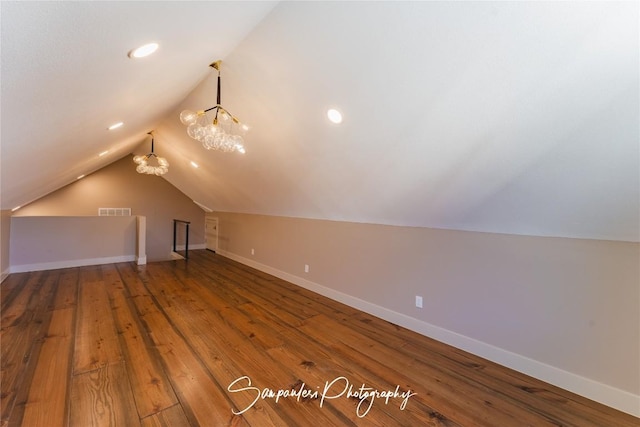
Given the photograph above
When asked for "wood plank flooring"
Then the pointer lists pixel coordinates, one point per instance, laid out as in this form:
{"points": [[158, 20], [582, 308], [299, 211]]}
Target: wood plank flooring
{"points": [[210, 342]]}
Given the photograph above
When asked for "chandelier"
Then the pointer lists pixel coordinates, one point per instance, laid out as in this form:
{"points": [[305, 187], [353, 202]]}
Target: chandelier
{"points": [[223, 133], [145, 167]]}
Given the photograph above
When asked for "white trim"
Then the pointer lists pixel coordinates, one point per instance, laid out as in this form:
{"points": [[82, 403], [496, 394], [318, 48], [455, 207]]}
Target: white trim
{"points": [[203, 207], [4, 275], [141, 239], [603, 393], [70, 263]]}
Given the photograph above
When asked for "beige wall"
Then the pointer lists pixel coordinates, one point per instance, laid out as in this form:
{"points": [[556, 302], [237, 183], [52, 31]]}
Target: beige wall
{"points": [[49, 242], [4, 243], [119, 185], [568, 303]]}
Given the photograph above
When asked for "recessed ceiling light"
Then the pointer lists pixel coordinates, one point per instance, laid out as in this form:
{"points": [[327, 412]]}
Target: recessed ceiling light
{"points": [[115, 126], [143, 51], [16, 208], [80, 177], [105, 152], [334, 115], [194, 164]]}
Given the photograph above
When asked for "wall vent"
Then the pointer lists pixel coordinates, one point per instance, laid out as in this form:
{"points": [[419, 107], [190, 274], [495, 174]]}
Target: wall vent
{"points": [[114, 211]]}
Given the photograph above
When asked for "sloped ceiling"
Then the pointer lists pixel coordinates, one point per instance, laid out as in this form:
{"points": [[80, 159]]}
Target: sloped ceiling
{"points": [[510, 117], [66, 77]]}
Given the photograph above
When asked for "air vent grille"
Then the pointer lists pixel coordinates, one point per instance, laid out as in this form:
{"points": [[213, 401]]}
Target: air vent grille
{"points": [[114, 211]]}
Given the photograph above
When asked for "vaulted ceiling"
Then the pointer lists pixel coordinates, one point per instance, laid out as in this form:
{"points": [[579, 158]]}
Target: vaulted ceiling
{"points": [[509, 117]]}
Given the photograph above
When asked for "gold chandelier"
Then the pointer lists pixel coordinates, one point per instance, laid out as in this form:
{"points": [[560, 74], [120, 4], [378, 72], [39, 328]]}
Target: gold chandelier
{"points": [[223, 133], [145, 167]]}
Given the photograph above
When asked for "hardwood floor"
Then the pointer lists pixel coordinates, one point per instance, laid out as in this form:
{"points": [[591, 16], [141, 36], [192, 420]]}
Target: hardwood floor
{"points": [[188, 343]]}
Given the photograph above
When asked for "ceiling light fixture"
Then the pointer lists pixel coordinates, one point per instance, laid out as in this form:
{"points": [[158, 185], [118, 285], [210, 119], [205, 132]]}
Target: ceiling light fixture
{"points": [[115, 126], [143, 51], [144, 167], [334, 116], [224, 133]]}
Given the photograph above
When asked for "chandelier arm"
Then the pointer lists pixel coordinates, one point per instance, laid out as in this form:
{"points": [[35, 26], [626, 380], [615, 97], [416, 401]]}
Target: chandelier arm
{"points": [[219, 94], [234, 118]]}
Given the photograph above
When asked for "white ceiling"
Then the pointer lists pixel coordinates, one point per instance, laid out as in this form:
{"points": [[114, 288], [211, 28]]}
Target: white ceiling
{"points": [[66, 77], [510, 117]]}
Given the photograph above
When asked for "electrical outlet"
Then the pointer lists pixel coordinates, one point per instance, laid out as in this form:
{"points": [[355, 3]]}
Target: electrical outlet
{"points": [[306, 268], [418, 301], [253, 251]]}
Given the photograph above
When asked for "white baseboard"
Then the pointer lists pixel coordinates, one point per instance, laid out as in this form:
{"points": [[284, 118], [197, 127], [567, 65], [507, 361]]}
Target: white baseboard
{"points": [[602, 393], [70, 263], [4, 275], [141, 260]]}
